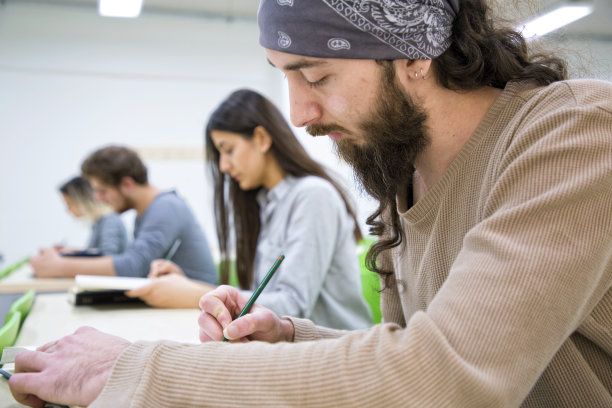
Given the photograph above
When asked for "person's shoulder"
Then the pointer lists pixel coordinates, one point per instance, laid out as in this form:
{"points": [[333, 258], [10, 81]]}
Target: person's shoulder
{"points": [[314, 190], [571, 92], [168, 198], [314, 185], [112, 218], [591, 92], [168, 203]]}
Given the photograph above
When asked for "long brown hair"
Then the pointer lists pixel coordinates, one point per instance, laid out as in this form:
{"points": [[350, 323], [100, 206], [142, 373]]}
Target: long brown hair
{"points": [[241, 113], [480, 54]]}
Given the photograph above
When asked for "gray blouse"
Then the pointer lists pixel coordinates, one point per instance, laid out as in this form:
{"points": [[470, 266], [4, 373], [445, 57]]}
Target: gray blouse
{"points": [[306, 220], [108, 235]]}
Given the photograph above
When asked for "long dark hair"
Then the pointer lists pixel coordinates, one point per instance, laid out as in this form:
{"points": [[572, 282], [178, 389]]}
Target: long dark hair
{"points": [[480, 54], [241, 113]]}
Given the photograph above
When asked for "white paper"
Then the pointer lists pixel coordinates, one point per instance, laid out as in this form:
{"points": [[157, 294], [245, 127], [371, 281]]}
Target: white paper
{"points": [[93, 282]]}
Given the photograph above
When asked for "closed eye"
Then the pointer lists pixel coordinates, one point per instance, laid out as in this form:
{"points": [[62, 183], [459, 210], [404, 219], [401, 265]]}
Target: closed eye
{"points": [[317, 83]]}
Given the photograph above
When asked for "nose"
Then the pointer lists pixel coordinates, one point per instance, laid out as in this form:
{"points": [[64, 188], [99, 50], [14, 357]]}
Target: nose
{"points": [[224, 164], [303, 105]]}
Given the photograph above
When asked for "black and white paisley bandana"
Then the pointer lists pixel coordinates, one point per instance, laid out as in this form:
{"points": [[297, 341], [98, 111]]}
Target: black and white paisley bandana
{"points": [[360, 29]]}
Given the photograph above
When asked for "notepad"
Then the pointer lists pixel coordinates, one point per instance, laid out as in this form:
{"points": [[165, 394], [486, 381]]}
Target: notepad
{"points": [[94, 282], [98, 290]]}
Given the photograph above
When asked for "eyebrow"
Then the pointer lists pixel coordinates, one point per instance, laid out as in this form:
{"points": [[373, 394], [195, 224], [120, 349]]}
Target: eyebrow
{"points": [[301, 64]]}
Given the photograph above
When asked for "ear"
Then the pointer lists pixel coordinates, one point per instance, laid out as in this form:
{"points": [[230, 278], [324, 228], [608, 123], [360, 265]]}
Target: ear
{"points": [[262, 139], [412, 70], [126, 184]]}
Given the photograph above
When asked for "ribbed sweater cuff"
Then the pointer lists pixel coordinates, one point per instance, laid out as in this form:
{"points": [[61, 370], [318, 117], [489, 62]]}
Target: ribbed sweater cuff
{"points": [[305, 329], [121, 387]]}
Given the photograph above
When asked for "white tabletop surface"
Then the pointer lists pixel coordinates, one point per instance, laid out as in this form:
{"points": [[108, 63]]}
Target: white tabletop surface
{"points": [[23, 279], [52, 317]]}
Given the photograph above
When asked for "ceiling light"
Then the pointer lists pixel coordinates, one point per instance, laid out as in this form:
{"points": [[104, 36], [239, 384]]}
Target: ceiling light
{"points": [[119, 8], [555, 19]]}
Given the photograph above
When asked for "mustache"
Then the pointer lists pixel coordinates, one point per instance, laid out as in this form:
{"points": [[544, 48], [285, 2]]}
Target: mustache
{"points": [[322, 130]]}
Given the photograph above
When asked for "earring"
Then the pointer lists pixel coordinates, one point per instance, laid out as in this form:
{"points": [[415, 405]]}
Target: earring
{"points": [[416, 74], [422, 74]]}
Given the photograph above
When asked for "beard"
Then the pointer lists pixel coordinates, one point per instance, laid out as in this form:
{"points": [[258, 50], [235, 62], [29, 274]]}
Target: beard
{"points": [[394, 134], [124, 205]]}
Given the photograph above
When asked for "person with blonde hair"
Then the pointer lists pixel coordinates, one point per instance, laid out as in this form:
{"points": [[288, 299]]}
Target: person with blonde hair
{"points": [[163, 221], [108, 235]]}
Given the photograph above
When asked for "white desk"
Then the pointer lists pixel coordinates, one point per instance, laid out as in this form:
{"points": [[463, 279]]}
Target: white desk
{"points": [[52, 317], [23, 279]]}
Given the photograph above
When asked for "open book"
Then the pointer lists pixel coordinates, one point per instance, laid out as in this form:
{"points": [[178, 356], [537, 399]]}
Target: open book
{"points": [[97, 290]]}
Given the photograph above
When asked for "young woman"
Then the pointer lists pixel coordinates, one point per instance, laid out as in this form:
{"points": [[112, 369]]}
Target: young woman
{"points": [[279, 201], [108, 235]]}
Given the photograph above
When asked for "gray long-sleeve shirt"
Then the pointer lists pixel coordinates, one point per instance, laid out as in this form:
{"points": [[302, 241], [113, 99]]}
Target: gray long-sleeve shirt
{"points": [[108, 235], [167, 219], [306, 220]]}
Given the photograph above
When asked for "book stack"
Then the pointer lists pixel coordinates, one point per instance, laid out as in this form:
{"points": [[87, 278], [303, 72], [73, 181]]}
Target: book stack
{"points": [[98, 290]]}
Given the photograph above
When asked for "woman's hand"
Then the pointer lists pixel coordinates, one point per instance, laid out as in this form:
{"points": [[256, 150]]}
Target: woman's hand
{"points": [[160, 267], [172, 291], [223, 304], [47, 264]]}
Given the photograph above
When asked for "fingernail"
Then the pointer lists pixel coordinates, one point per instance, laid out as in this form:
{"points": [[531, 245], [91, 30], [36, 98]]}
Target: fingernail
{"points": [[230, 332]]}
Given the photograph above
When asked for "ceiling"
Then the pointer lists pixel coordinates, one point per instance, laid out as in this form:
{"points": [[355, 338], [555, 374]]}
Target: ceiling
{"points": [[596, 26]]}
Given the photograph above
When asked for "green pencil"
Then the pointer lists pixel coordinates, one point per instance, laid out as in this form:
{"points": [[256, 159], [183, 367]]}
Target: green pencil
{"points": [[173, 249], [260, 288]]}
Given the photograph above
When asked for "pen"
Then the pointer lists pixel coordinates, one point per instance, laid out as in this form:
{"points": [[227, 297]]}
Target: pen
{"points": [[175, 246], [259, 289], [47, 404]]}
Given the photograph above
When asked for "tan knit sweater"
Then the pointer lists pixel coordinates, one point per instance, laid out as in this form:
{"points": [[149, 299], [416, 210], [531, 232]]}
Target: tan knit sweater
{"points": [[505, 298]]}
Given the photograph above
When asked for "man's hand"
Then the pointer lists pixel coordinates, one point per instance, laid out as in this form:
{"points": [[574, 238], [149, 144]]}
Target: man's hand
{"points": [[223, 304], [71, 371], [160, 267], [47, 264]]}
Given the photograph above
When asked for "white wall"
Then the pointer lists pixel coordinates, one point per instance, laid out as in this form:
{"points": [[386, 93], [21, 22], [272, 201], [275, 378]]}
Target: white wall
{"points": [[71, 81]]}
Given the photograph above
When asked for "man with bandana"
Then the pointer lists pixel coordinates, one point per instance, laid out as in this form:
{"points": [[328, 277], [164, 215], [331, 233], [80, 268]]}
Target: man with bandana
{"points": [[494, 177]]}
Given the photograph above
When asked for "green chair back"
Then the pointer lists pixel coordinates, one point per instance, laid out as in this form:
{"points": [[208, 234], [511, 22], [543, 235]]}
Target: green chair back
{"points": [[370, 283], [12, 268], [233, 277], [10, 329], [23, 304]]}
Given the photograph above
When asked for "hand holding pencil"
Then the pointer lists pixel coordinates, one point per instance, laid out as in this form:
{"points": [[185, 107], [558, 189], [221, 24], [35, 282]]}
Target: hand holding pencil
{"points": [[225, 313], [160, 267]]}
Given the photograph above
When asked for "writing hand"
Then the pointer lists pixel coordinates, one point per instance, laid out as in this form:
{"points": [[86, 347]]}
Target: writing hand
{"points": [[160, 267], [222, 305], [47, 264]]}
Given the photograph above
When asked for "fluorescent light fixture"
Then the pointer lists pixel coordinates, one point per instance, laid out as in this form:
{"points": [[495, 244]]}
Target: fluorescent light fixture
{"points": [[119, 8], [555, 19]]}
